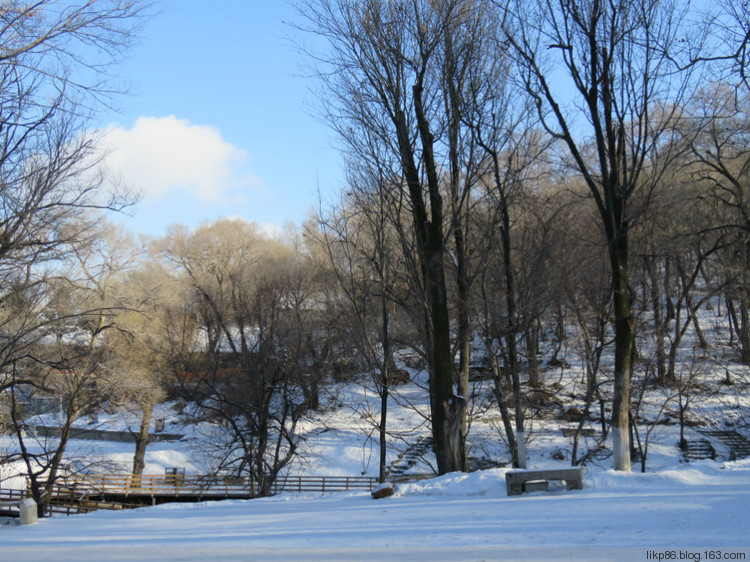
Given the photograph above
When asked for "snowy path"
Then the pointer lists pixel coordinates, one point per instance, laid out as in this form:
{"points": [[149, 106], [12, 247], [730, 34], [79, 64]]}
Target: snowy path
{"points": [[457, 517]]}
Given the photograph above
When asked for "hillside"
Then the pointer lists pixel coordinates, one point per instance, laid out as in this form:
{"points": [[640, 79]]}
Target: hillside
{"points": [[341, 437], [695, 506]]}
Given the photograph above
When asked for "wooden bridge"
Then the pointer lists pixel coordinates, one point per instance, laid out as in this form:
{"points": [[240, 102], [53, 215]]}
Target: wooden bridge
{"points": [[178, 487], [9, 505], [89, 492]]}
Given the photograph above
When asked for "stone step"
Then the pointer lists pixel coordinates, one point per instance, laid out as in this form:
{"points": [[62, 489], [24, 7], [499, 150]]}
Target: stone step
{"points": [[739, 446], [410, 457], [699, 449]]}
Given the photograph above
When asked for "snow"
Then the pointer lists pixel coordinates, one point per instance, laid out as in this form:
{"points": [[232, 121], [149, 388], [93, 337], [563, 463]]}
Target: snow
{"points": [[676, 510], [693, 507]]}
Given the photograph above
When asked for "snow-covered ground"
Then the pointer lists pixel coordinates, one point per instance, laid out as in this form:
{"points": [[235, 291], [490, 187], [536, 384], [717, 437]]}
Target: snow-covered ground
{"points": [[676, 510], [695, 509]]}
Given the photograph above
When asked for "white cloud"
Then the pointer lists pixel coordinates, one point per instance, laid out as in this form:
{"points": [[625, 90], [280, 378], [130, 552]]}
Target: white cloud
{"points": [[267, 229], [163, 154], [272, 230]]}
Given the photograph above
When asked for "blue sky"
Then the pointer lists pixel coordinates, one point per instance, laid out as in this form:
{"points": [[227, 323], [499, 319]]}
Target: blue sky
{"points": [[219, 121]]}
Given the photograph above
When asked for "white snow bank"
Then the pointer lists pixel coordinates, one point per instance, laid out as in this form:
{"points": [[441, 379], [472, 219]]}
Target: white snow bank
{"points": [[489, 483], [692, 507]]}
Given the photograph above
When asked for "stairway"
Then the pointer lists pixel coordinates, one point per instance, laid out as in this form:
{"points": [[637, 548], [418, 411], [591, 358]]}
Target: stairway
{"points": [[699, 449], [409, 458], [739, 447]]}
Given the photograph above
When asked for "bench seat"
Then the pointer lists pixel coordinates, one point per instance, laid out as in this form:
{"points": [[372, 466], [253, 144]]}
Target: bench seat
{"points": [[519, 481]]}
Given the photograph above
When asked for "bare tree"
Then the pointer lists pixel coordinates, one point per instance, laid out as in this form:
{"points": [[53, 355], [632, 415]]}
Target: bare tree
{"points": [[244, 367], [732, 21], [622, 66], [53, 72], [359, 241], [74, 375], [54, 69], [138, 350], [401, 71], [503, 126], [718, 139]]}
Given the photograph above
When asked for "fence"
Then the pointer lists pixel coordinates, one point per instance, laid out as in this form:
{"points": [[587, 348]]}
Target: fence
{"points": [[9, 500], [204, 486], [103, 435], [89, 492], [324, 484]]}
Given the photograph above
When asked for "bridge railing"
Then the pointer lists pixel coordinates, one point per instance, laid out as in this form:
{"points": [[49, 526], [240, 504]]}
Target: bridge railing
{"points": [[324, 484], [149, 484], [9, 499], [203, 486], [88, 492]]}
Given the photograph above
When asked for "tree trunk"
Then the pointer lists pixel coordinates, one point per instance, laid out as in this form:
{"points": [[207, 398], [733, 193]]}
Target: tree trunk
{"points": [[500, 397], [383, 434], [447, 409], [702, 342], [731, 318], [458, 202], [743, 332], [34, 485], [141, 440], [497, 376], [385, 339], [591, 386], [532, 353], [652, 271], [464, 330], [624, 343], [512, 329]]}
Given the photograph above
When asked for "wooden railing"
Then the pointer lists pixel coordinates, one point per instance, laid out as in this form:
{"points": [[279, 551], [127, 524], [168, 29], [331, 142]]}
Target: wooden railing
{"points": [[9, 499], [324, 484], [203, 486], [9, 502], [66, 509], [89, 492], [153, 485], [12, 495]]}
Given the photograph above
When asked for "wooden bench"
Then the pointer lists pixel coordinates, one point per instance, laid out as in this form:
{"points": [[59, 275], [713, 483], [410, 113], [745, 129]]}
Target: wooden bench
{"points": [[519, 481]]}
